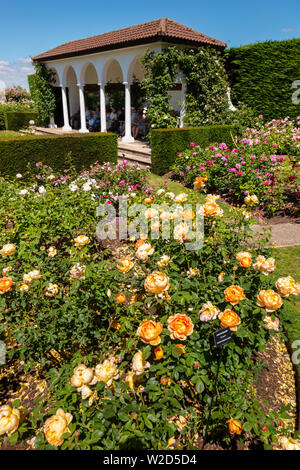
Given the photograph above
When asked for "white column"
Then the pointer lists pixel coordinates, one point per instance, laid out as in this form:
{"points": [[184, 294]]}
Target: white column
{"points": [[182, 107], [66, 126], [83, 127], [102, 107], [128, 136]]}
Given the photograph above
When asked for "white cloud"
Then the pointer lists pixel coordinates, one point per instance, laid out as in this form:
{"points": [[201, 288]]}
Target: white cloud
{"points": [[24, 60], [290, 30], [15, 72]]}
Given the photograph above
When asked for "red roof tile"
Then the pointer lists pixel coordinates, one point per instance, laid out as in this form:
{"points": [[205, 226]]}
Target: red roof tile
{"points": [[163, 29]]}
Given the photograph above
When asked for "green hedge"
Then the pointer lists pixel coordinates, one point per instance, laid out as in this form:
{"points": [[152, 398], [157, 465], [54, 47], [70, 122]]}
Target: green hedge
{"points": [[17, 152], [16, 120], [165, 143], [15, 107], [262, 74]]}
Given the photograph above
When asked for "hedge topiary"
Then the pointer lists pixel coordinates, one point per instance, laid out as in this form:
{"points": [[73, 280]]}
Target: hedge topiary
{"points": [[262, 75], [165, 143], [17, 152], [15, 107], [16, 120]]}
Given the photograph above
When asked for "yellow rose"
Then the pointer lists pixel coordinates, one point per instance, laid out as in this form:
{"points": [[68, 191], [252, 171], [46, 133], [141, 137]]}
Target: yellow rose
{"points": [[139, 243], [151, 213], [81, 240], [180, 326], [124, 265], [52, 251], [107, 371], [199, 182], [229, 319], [212, 209], [32, 275], [288, 443], [164, 261], [188, 214], [159, 353], [121, 298], [5, 285], [181, 231], [233, 294], [265, 266], [56, 426], [77, 271], [182, 197], [8, 249], [139, 363], [82, 375], [208, 312], [144, 251], [149, 331], [271, 324], [235, 427], [287, 286], [9, 420], [244, 258], [156, 282], [51, 290], [269, 299]]}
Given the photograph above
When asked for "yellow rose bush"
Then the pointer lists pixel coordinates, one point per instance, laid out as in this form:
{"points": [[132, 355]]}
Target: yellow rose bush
{"points": [[132, 321]]}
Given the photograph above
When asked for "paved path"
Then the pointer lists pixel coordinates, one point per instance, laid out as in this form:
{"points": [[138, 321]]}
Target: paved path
{"points": [[282, 234]]}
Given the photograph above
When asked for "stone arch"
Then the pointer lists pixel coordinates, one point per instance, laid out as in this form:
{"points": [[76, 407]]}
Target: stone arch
{"points": [[112, 72], [88, 74], [69, 76], [56, 82], [136, 69]]}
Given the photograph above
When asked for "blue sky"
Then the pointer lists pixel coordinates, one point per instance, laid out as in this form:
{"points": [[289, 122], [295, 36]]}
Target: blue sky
{"points": [[30, 27]]}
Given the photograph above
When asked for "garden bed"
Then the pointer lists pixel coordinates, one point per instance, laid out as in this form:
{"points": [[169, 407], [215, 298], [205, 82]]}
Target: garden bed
{"points": [[123, 332]]}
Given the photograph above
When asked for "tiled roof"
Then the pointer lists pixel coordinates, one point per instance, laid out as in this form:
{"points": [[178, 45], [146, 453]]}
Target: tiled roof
{"points": [[163, 29]]}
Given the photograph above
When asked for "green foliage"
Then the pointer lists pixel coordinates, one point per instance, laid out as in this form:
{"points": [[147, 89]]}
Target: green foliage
{"points": [[17, 152], [206, 95], [253, 165], [42, 93], [83, 324], [16, 120], [159, 78], [13, 107], [262, 75], [166, 143]]}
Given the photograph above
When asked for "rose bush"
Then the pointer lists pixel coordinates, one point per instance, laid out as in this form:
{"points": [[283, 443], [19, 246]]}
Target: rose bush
{"points": [[124, 340], [253, 171]]}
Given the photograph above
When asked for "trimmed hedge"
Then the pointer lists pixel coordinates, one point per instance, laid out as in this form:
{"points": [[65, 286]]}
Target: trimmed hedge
{"points": [[16, 120], [16, 153], [262, 75], [166, 143]]}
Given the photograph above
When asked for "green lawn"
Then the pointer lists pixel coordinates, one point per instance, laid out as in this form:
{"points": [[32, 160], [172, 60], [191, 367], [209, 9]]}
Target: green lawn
{"points": [[288, 263], [9, 134]]}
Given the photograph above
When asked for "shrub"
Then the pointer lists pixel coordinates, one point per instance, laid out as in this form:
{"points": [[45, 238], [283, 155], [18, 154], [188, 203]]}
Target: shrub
{"points": [[16, 120], [17, 95], [42, 92], [16, 107], [17, 152], [254, 166], [262, 75], [166, 143], [144, 394]]}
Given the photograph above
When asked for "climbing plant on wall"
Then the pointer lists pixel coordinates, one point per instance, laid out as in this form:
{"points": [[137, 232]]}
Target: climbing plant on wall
{"points": [[206, 99], [42, 92]]}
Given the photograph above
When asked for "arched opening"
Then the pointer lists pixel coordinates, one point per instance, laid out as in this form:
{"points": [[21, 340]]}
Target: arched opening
{"points": [[58, 112], [136, 74], [89, 78]]}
